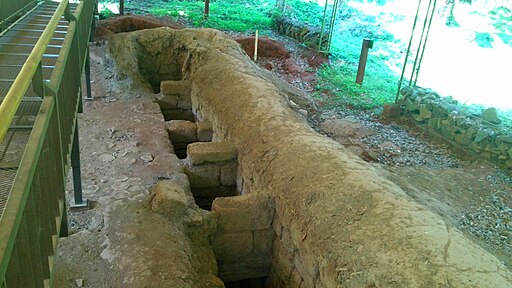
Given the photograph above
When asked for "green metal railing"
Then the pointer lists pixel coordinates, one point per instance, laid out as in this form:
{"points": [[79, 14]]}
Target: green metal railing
{"points": [[11, 9], [35, 212]]}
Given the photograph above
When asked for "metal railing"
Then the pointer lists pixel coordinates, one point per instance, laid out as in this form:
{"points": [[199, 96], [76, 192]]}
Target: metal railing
{"points": [[35, 212], [11, 9]]}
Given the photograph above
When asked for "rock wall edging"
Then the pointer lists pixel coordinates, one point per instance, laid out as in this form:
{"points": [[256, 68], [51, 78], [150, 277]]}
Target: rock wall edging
{"points": [[476, 134]]}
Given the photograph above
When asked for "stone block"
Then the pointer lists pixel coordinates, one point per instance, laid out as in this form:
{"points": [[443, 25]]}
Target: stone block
{"points": [[464, 139], [211, 152], [171, 199], [204, 132], [178, 114], [282, 261], [182, 131], [204, 176], [244, 213], [391, 110], [231, 246], [307, 279], [263, 241], [295, 279], [228, 174], [239, 179], [184, 102], [491, 115], [167, 101], [328, 272], [171, 87], [277, 226]]}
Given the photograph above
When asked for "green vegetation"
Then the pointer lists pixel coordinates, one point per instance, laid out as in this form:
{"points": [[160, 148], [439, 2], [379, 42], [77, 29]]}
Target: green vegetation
{"points": [[232, 15], [338, 79], [307, 12], [106, 13]]}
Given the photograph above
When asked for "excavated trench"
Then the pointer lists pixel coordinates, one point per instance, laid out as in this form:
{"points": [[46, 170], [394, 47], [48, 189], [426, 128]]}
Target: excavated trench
{"points": [[290, 207]]}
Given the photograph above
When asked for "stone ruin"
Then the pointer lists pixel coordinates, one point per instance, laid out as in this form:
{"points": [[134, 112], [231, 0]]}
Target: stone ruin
{"points": [[480, 134], [288, 207]]}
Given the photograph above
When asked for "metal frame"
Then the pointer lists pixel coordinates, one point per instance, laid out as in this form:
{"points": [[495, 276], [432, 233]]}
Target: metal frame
{"points": [[422, 43], [35, 212]]}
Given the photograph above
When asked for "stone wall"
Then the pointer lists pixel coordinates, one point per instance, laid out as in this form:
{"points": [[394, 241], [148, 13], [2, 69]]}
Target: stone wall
{"points": [[309, 35], [174, 100], [211, 168], [243, 241], [480, 134]]}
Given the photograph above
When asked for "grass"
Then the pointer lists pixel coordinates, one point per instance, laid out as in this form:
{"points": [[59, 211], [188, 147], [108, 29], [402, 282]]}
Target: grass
{"points": [[336, 86], [380, 82], [239, 16]]}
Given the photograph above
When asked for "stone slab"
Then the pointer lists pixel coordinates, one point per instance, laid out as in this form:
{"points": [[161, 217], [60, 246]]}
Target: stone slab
{"points": [[211, 152]]}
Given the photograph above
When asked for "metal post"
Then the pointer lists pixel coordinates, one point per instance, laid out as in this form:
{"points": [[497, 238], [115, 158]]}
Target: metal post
{"points": [[322, 29], [425, 44], [331, 28], [408, 50], [415, 63], [88, 75], [79, 202], [367, 44]]}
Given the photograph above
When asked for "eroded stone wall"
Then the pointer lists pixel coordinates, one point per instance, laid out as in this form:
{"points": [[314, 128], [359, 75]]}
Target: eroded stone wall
{"points": [[338, 222], [243, 241]]}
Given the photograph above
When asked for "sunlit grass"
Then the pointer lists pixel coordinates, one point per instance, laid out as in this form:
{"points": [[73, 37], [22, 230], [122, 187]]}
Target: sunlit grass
{"points": [[240, 16]]}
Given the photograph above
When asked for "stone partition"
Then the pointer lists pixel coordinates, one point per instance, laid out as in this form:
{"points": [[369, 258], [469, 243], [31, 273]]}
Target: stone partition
{"points": [[211, 168], [174, 100], [480, 134], [243, 241], [338, 222]]}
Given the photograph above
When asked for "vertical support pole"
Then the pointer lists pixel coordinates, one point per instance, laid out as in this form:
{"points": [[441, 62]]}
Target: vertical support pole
{"points": [[420, 44], [320, 40], [408, 50], [38, 81], [88, 75], [367, 44], [206, 9], [256, 46], [79, 202], [425, 43], [121, 7]]}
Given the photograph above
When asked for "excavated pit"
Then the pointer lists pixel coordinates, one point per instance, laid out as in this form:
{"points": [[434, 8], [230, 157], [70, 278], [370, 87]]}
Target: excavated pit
{"points": [[307, 213]]}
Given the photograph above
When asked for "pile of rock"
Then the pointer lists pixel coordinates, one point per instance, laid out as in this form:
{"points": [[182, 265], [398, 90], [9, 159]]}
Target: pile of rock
{"points": [[481, 134], [309, 35]]}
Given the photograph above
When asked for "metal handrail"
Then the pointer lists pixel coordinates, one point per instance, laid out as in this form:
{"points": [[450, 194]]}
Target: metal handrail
{"points": [[35, 212], [12, 100]]}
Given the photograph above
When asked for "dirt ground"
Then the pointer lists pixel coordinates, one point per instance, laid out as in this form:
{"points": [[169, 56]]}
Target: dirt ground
{"points": [[119, 162]]}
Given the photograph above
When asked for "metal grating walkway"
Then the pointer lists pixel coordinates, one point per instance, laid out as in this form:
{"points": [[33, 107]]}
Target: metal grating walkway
{"points": [[15, 46]]}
